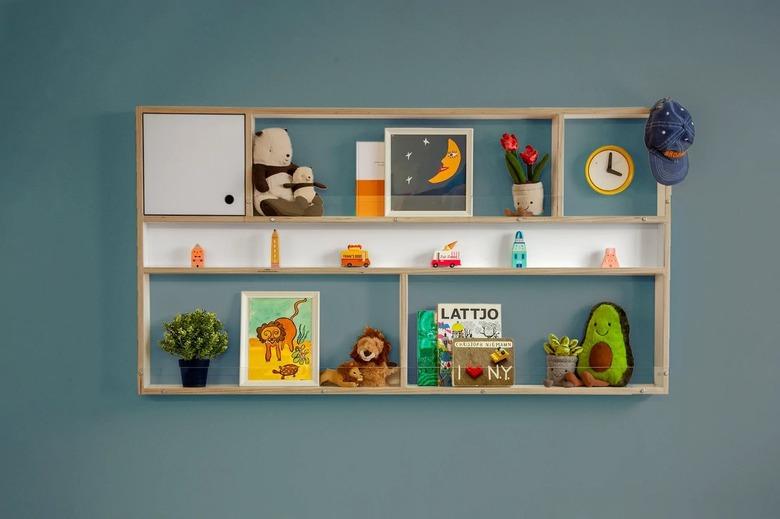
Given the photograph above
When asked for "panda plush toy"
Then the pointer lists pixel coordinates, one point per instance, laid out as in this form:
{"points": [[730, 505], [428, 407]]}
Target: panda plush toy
{"points": [[272, 171]]}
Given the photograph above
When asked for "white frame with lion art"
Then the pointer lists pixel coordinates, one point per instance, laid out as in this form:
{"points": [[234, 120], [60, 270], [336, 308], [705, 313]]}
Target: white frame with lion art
{"points": [[422, 132], [314, 297]]}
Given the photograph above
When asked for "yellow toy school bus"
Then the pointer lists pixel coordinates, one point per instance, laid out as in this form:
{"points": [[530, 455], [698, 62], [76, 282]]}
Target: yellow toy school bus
{"points": [[354, 256]]}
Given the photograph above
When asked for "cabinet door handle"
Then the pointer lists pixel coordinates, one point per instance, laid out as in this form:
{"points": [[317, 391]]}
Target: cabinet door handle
{"points": [[229, 199]]}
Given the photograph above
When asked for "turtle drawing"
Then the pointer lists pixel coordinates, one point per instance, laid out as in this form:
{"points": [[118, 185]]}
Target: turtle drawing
{"points": [[286, 370]]}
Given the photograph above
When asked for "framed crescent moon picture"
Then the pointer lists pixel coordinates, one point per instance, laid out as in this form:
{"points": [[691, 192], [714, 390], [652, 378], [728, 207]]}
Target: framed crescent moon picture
{"points": [[609, 170], [428, 171]]}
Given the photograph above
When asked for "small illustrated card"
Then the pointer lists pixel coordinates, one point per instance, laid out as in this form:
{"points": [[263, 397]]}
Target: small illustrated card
{"points": [[463, 321], [483, 362]]}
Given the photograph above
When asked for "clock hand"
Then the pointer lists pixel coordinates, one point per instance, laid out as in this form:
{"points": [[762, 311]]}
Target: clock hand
{"points": [[609, 166]]}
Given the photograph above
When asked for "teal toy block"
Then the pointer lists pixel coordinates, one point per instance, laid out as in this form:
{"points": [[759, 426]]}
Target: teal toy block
{"points": [[519, 252]]}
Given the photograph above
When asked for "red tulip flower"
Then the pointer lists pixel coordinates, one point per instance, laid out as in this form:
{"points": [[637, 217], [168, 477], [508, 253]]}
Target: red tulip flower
{"points": [[532, 172], [509, 142], [530, 155]]}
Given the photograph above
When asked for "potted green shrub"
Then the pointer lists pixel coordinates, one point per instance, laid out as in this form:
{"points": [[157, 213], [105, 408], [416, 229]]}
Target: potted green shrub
{"points": [[196, 338], [562, 355], [526, 174]]}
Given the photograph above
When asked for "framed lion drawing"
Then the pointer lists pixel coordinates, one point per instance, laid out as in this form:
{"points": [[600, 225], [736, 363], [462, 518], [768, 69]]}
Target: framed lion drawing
{"points": [[279, 339]]}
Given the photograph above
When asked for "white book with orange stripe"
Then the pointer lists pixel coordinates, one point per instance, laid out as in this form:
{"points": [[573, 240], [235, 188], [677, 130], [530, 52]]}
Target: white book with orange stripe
{"points": [[370, 179]]}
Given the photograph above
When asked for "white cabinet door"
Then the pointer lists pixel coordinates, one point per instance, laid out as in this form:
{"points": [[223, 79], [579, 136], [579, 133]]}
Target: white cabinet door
{"points": [[193, 164]]}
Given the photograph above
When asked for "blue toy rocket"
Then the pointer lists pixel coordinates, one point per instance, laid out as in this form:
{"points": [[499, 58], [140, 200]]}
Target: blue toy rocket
{"points": [[519, 253]]}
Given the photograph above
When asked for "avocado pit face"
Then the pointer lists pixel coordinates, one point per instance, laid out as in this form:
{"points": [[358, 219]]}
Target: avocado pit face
{"points": [[600, 358]]}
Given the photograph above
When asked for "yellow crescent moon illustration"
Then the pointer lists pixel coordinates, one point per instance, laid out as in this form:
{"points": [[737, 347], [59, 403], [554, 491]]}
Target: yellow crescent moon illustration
{"points": [[449, 163]]}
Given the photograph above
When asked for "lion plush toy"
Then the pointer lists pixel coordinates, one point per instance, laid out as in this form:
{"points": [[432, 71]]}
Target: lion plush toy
{"points": [[371, 353], [346, 375]]}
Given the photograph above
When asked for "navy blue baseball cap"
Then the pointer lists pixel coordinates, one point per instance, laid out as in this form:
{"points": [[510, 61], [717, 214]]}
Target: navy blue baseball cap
{"points": [[669, 133]]}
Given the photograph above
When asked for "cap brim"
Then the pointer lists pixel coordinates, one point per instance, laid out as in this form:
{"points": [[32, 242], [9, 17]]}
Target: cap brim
{"points": [[668, 171]]}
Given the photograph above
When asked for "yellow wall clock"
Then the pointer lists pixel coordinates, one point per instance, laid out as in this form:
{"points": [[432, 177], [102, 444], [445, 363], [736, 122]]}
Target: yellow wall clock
{"points": [[609, 170]]}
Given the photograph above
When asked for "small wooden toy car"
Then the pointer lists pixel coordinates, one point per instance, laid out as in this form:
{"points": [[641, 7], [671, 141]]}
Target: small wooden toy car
{"points": [[447, 257], [354, 256], [498, 355]]}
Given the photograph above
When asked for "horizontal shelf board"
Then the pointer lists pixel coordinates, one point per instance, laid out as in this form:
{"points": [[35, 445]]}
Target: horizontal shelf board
{"points": [[534, 389], [408, 219], [552, 271], [608, 114], [266, 270], [411, 113], [460, 271], [639, 389]]}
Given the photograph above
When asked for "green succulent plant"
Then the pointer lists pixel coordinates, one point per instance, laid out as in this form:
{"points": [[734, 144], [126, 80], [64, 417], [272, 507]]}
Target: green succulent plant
{"points": [[194, 335], [562, 347]]}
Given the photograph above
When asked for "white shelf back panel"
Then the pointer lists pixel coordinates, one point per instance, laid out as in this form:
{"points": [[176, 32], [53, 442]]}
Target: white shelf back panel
{"points": [[192, 162], [402, 245]]}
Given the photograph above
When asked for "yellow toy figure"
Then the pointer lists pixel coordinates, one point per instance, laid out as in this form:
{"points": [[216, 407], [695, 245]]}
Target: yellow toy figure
{"points": [[275, 250]]}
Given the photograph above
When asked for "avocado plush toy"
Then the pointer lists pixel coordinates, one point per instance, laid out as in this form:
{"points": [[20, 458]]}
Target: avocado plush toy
{"points": [[606, 357]]}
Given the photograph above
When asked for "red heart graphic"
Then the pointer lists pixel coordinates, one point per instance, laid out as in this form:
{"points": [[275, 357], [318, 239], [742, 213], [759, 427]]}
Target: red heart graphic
{"points": [[474, 371]]}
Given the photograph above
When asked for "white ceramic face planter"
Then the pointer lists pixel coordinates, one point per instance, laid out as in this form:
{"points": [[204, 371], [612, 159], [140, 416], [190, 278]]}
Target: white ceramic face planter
{"points": [[529, 197]]}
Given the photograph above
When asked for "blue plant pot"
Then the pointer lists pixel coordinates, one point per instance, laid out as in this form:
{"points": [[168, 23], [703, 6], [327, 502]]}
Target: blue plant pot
{"points": [[194, 373]]}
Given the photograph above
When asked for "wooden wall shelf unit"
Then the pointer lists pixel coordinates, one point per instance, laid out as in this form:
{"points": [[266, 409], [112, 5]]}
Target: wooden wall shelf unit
{"points": [[233, 139]]}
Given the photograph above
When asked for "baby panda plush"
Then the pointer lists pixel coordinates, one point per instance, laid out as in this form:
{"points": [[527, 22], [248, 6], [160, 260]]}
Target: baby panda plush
{"points": [[303, 185]]}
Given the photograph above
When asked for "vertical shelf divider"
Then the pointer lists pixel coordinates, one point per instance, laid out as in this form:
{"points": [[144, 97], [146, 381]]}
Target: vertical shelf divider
{"points": [[403, 320], [662, 293], [142, 279], [144, 334], [556, 154], [249, 131], [667, 287]]}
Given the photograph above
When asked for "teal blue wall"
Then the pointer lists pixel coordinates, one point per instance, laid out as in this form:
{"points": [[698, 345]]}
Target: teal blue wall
{"points": [[76, 441]]}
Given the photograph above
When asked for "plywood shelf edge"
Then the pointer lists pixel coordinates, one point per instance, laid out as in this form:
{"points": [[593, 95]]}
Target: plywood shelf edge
{"points": [[384, 271], [354, 220], [530, 389], [632, 112]]}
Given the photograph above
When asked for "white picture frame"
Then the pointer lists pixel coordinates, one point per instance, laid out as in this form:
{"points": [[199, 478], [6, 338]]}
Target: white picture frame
{"points": [[251, 319], [431, 146]]}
